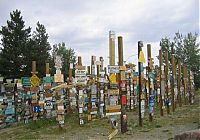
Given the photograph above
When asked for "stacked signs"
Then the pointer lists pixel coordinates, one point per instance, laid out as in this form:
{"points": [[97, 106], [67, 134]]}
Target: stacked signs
{"points": [[48, 105], [113, 107], [9, 102], [129, 87], [2, 107], [19, 101], [81, 80], [58, 78], [93, 98], [35, 82], [101, 81], [27, 98]]}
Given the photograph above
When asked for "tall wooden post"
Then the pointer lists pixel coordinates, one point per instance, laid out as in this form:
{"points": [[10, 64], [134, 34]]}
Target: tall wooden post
{"points": [[185, 82], [166, 79], [151, 95], [122, 87], [140, 45], [112, 47], [161, 80], [173, 79], [179, 83]]}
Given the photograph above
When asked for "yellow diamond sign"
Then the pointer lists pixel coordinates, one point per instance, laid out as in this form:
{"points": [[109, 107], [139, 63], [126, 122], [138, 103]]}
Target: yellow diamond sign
{"points": [[112, 78], [35, 81]]}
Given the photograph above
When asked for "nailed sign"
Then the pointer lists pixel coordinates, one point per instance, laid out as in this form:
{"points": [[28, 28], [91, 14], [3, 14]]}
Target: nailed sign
{"points": [[25, 81], [35, 81], [113, 69]]}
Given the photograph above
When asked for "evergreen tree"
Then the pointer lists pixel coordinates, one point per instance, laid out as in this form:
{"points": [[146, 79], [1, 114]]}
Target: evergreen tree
{"points": [[15, 39], [68, 56], [40, 48]]}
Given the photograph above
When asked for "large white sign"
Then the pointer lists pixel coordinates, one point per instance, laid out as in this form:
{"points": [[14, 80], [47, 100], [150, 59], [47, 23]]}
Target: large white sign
{"points": [[113, 69]]}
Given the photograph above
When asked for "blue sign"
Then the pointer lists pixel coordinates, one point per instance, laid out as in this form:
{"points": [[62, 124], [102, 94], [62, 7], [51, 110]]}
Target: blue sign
{"points": [[36, 109]]}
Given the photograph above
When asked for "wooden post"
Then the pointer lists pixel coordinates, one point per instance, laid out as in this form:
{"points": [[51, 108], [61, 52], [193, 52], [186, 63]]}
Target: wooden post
{"points": [[47, 68], [173, 79], [149, 68], [140, 45], [98, 90], [166, 79], [122, 87], [70, 72], [179, 83], [112, 47], [79, 61], [185, 82], [161, 79]]}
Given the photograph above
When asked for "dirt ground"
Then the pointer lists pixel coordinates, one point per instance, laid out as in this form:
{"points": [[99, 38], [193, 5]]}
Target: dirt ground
{"points": [[165, 127]]}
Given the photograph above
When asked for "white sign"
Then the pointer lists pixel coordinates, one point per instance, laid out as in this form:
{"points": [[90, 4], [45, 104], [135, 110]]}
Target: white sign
{"points": [[58, 62], [113, 69]]}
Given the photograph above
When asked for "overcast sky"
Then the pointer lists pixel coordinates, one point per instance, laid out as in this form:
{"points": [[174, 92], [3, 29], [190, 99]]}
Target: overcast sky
{"points": [[84, 24]]}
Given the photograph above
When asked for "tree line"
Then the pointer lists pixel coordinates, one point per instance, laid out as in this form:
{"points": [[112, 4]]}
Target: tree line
{"points": [[20, 48]]}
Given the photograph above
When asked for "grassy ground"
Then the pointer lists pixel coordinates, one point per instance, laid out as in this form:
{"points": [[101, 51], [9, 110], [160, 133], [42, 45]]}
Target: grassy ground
{"points": [[183, 119]]}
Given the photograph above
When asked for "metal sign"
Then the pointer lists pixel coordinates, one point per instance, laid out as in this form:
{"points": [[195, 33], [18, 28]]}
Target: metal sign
{"points": [[113, 69], [47, 79], [25, 81], [35, 81]]}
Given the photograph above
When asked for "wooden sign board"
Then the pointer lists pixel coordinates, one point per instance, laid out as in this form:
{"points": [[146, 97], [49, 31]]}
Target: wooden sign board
{"points": [[113, 91], [58, 78], [80, 67]]}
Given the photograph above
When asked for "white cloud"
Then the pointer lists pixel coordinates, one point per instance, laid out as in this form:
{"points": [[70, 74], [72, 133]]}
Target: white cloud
{"points": [[84, 25]]}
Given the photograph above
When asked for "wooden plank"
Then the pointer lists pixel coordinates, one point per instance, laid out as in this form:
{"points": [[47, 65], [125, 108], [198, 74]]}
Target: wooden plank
{"points": [[113, 134], [108, 107], [113, 113]]}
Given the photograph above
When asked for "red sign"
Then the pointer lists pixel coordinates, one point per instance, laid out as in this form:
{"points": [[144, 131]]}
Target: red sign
{"points": [[123, 99]]}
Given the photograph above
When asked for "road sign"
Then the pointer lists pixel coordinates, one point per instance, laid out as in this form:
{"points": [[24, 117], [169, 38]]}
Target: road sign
{"points": [[35, 81], [112, 78], [25, 81], [47, 79]]}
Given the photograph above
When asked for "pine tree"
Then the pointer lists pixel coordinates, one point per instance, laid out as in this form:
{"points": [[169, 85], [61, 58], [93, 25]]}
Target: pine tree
{"points": [[15, 39], [39, 50]]}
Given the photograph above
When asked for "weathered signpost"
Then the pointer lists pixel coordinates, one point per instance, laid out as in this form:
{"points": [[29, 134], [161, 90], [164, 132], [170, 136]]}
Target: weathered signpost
{"points": [[162, 84], [141, 60], [173, 81], [122, 88], [167, 100], [59, 79], [150, 83], [80, 80], [35, 82], [48, 96]]}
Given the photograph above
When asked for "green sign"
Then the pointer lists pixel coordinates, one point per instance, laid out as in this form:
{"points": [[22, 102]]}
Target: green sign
{"points": [[26, 81], [151, 75], [47, 79]]}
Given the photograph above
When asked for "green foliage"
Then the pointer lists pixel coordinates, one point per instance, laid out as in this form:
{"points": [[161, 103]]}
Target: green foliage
{"points": [[39, 124], [15, 38], [68, 56], [187, 50], [40, 49]]}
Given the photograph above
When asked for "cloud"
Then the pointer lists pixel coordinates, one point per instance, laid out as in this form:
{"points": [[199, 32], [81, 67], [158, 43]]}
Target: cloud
{"points": [[84, 26]]}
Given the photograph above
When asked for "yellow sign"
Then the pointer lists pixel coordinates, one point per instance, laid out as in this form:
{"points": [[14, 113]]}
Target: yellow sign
{"points": [[141, 57], [35, 81], [112, 78]]}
